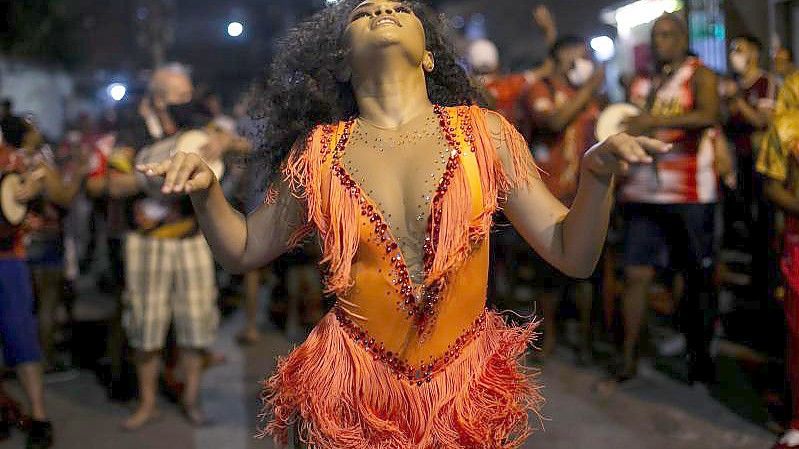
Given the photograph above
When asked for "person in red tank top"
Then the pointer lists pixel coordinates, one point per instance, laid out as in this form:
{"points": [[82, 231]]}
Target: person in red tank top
{"points": [[669, 209]]}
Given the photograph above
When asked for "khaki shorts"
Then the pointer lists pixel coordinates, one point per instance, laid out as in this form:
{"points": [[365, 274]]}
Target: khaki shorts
{"points": [[169, 279]]}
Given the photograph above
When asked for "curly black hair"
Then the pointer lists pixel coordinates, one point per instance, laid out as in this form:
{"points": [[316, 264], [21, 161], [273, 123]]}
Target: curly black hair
{"points": [[300, 89]]}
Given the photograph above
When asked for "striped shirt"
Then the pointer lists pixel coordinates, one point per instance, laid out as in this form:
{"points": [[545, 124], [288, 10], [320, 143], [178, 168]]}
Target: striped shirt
{"points": [[687, 174]]}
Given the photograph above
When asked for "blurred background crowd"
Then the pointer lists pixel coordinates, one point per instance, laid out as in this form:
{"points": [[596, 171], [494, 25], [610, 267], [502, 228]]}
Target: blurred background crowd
{"points": [[692, 284]]}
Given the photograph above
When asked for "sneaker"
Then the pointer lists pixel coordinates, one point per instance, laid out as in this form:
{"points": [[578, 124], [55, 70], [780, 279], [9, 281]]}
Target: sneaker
{"points": [[40, 435]]}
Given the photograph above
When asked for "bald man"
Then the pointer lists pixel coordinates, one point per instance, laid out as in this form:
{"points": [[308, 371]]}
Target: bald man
{"points": [[169, 270]]}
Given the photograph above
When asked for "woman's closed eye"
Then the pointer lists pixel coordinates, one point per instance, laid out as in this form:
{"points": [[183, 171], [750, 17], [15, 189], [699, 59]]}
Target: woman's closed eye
{"points": [[403, 9]]}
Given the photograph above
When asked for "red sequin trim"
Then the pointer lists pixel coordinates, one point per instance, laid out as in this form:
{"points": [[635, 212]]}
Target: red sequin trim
{"points": [[421, 373], [420, 305]]}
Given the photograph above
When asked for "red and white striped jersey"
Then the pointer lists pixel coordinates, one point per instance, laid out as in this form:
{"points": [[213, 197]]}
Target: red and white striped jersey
{"points": [[687, 174]]}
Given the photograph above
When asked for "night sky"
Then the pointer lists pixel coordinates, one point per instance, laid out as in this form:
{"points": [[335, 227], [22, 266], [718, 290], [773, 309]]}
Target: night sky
{"points": [[110, 33]]}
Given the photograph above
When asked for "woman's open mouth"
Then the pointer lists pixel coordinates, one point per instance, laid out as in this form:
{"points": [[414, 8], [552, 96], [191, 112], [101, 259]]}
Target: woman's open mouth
{"points": [[385, 20]]}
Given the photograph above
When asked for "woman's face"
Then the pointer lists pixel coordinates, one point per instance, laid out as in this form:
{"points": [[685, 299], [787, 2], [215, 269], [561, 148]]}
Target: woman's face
{"points": [[377, 25]]}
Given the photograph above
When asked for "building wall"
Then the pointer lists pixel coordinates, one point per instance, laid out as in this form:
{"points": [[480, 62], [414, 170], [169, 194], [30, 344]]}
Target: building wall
{"points": [[748, 17], [43, 92], [509, 23]]}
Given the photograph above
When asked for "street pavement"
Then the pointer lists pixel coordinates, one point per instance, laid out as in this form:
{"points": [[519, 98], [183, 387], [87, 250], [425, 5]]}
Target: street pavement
{"points": [[654, 412]]}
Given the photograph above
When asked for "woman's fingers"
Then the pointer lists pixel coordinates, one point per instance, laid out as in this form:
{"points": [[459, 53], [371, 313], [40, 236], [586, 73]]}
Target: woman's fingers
{"points": [[653, 146], [182, 173], [155, 168], [199, 181], [172, 174], [189, 167], [625, 148]]}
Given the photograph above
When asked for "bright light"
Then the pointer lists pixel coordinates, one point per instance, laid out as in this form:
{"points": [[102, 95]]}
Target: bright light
{"points": [[642, 12], [603, 47], [332, 2], [116, 91], [234, 29]]}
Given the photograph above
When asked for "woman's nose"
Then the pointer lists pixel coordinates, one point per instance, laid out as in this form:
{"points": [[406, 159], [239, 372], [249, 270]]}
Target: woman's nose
{"points": [[387, 9]]}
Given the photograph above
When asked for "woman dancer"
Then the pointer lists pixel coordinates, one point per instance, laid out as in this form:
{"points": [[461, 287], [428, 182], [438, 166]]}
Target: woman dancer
{"points": [[399, 174]]}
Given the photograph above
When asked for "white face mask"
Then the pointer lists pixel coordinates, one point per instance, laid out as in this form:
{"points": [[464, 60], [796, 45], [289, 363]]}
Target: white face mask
{"points": [[581, 72], [739, 62]]}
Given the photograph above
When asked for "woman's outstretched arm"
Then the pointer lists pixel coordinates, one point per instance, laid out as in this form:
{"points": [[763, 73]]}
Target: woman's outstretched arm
{"points": [[572, 239], [239, 243]]}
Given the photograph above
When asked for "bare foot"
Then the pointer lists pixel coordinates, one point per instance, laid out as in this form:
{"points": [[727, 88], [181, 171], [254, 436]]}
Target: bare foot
{"points": [[142, 416], [195, 415]]}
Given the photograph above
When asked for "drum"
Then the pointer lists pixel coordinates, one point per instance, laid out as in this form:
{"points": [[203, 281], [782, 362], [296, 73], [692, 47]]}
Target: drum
{"points": [[611, 120], [12, 212], [188, 142]]}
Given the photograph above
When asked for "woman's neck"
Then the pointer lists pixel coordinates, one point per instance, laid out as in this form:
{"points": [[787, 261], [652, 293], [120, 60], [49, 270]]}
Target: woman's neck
{"points": [[391, 98]]}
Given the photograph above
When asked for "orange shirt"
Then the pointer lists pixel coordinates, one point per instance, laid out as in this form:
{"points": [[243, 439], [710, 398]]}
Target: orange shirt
{"points": [[505, 91]]}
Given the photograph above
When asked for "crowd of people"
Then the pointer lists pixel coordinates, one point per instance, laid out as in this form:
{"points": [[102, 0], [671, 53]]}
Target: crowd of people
{"points": [[726, 184], [733, 138]]}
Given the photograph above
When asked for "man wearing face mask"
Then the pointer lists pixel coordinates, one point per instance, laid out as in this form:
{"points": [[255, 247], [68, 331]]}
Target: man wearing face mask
{"points": [[560, 113], [169, 269], [749, 102], [504, 90], [669, 210]]}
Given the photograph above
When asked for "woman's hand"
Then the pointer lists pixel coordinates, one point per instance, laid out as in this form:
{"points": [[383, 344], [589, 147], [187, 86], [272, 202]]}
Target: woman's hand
{"points": [[182, 173], [617, 153]]}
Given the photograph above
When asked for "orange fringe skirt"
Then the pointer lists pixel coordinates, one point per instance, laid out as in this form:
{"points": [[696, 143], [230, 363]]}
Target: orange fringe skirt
{"points": [[339, 397]]}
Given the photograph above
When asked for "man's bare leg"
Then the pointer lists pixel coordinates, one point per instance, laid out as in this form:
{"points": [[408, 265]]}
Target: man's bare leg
{"points": [[584, 298], [147, 364], [548, 301], [30, 376], [638, 280], [252, 286], [193, 369]]}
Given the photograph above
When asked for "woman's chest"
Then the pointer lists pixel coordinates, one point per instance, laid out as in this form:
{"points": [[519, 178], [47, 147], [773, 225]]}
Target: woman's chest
{"points": [[400, 181]]}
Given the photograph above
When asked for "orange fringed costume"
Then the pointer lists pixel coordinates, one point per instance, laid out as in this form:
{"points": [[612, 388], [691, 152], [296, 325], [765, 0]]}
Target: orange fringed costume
{"points": [[396, 365]]}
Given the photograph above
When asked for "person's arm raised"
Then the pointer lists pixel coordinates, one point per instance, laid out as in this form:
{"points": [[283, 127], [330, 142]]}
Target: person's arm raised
{"points": [[571, 240], [239, 243]]}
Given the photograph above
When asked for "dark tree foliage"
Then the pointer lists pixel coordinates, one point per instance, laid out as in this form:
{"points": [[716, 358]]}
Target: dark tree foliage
{"points": [[39, 30]]}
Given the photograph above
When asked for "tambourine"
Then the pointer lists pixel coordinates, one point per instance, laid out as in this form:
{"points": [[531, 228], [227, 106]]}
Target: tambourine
{"points": [[611, 120], [12, 212]]}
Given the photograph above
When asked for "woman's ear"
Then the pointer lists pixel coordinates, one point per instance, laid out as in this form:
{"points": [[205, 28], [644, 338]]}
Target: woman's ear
{"points": [[428, 63]]}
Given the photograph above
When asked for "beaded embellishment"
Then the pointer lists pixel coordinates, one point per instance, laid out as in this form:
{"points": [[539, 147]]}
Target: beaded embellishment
{"points": [[421, 373], [418, 301]]}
